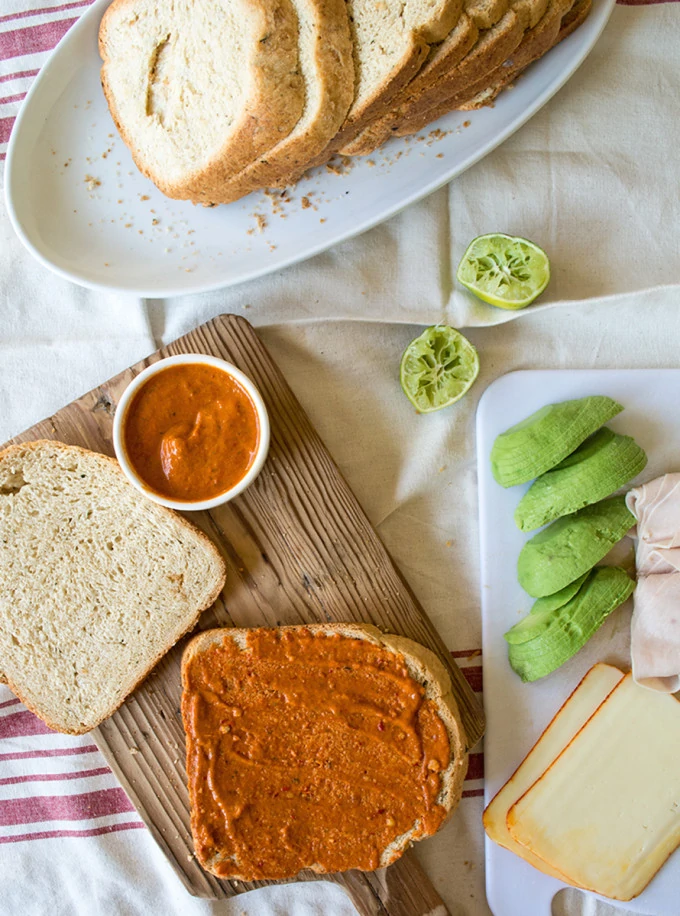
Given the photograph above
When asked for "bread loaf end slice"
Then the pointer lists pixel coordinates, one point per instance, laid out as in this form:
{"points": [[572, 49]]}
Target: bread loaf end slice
{"points": [[97, 582]]}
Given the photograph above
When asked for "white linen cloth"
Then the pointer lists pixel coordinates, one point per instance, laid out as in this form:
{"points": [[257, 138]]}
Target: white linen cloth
{"points": [[594, 179]]}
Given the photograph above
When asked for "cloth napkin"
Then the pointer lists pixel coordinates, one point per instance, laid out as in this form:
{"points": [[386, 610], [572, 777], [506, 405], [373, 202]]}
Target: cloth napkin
{"points": [[592, 177]]}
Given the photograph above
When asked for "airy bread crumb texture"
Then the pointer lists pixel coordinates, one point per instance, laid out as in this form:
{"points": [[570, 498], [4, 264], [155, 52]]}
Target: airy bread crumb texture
{"points": [[96, 582]]}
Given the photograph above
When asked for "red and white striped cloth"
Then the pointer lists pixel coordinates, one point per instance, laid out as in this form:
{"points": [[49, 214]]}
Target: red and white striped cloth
{"points": [[60, 803], [54, 786]]}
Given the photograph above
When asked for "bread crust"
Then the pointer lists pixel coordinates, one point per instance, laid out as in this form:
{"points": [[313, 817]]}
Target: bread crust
{"points": [[448, 55], [286, 161], [412, 60], [423, 666], [178, 519], [270, 113], [494, 47], [537, 42]]}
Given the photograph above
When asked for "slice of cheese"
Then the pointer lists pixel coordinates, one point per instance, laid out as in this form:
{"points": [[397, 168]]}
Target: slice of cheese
{"points": [[606, 813], [571, 717]]}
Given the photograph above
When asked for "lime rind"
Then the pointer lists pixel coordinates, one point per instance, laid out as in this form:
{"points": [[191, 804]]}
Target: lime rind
{"points": [[505, 271], [438, 368]]}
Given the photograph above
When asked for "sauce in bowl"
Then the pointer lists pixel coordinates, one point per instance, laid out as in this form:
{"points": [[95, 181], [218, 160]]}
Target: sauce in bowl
{"points": [[191, 432]]}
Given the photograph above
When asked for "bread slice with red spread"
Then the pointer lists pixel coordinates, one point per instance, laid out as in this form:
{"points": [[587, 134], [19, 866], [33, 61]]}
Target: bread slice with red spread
{"points": [[328, 747]]}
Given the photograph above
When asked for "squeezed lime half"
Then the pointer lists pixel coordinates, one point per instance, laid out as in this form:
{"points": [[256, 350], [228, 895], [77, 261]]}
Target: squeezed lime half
{"points": [[504, 271], [437, 368]]}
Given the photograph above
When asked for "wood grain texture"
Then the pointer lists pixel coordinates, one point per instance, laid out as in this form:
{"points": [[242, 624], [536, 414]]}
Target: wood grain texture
{"points": [[298, 549]]}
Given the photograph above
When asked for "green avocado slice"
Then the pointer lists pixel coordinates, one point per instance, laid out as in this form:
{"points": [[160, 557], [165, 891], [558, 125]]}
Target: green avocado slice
{"points": [[562, 632], [542, 608], [571, 546], [538, 443], [594, 471]]}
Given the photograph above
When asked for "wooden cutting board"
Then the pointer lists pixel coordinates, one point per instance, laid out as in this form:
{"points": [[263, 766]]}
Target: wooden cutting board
{"points": [[298, 549]]}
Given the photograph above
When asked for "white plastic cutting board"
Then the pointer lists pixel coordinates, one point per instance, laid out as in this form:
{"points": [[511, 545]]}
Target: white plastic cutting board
{"points": [[517, 713]]}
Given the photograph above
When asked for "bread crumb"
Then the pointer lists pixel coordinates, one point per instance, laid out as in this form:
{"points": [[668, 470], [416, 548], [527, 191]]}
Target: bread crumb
{"points": [[91, 182], [144, 197], [133, 750], [261, 221], [306, 203], [466, 123]]}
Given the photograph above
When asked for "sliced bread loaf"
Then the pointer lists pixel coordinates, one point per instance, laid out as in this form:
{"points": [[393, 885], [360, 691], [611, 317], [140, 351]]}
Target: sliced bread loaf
{"points": [[96, 582], [199, 91], [537, 41], [471, 75], [442, 60], [490, 49], [391, 40], [327, 69], [287, 727]]}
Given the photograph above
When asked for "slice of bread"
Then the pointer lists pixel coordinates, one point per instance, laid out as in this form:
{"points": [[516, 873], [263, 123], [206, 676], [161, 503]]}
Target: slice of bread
{"points": [[325, 49], [199, 91], [319, 729], [391, 40], [478, 15], [96, 582], [488, 52], [442, 60], [537, 42]]}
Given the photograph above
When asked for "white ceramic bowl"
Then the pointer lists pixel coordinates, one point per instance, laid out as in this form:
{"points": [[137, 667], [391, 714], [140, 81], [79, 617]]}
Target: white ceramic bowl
{"points": [[131, 391]]}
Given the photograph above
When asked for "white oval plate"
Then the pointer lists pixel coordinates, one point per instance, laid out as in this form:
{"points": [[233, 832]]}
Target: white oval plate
{"points": [[80, 206]]}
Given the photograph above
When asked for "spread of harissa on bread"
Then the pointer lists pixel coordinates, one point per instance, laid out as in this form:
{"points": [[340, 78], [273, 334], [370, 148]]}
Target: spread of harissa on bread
{"points": [[218, 98], [329, 747]]}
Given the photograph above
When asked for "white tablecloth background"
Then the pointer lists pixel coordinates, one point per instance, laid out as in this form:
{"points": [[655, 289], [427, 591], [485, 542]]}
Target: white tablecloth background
{"points": [[594, 178]]}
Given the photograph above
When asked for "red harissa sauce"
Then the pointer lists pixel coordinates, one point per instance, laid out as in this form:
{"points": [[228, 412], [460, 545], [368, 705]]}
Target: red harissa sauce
{"points": [[191, 432]]}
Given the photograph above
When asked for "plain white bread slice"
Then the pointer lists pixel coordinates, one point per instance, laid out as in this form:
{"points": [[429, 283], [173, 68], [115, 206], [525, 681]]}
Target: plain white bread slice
{"points": [[96, 582], [595, 687], [325, 49], [198, 91], [422, 665]]}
